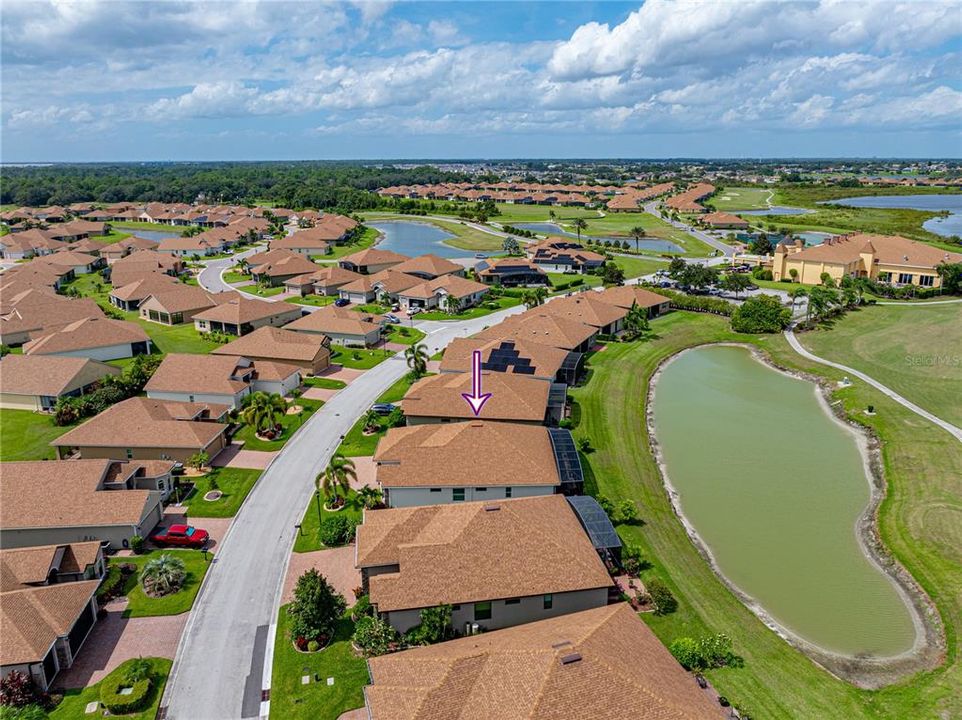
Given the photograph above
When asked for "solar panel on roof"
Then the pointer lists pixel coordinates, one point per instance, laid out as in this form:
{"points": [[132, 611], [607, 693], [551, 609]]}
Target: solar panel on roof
{"points": [[595, 522]]}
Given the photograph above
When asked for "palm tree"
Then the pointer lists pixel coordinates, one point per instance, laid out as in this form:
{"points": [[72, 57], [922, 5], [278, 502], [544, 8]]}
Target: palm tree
{"points": [[551, 215], [372, 421], [637, 233], [417, 359], [263, 412], [370, 497], [452, 304], [795, 294], [579, 224], [163, 575], [334, 482]]}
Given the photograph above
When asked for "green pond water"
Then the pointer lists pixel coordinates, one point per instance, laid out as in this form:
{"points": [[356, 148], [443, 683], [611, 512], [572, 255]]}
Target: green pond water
{"points": [[775, 487]]}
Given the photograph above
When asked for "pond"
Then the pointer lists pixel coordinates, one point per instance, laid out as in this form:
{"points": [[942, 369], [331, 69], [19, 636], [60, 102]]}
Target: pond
{"points": [[775, 210], [549, 228], [944, 226], [417, 238], [156, 235], [774, 487]]}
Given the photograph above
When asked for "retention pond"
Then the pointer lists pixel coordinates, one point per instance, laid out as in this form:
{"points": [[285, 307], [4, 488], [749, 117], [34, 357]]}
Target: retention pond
{"points": [[774, 487]]}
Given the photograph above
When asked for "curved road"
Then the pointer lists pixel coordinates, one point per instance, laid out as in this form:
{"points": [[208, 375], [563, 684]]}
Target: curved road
{"points": [[219, 670], [948, 427], [725, 249]]}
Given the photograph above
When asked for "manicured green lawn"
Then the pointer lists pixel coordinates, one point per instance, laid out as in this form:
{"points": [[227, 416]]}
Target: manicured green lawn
{"points": [[538, 213], [290, 423], [307, 539], [26, 435], [338, 251], [918, 523], [233, 483], [235, 276], [479, 311], [916, 351], [142, 606], [359, 358], [357, 444], [637, 266], [403, 334], [111, 237], [568, 282], [371, 308], [326, 383], [740, 198], [317, 700], [182, 338], [75, 700], [317, 300], [90, 285], [399, 389], [264, 291], [620, 224]]}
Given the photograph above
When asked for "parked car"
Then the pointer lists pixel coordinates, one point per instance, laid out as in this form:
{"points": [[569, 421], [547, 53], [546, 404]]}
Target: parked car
{"points": [[341, 302], [392, 319], [384, 408], [180, 536], [480, 256], [414, 311]]}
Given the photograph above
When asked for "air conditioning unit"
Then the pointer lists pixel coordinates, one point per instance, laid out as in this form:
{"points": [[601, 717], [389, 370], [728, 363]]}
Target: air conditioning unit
{"points": [[467, 628], [475, 628]]}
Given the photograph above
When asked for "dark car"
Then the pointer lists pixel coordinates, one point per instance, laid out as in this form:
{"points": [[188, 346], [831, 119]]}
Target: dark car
{"points": [[341, 302], [383, 408], [181, 536]]}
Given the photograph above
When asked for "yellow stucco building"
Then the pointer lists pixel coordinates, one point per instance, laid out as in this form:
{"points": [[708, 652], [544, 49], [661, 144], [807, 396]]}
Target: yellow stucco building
{"points": [[883, 258]]}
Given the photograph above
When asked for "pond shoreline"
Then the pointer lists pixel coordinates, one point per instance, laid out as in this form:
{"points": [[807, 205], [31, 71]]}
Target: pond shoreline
{"points": [[928, 649]]}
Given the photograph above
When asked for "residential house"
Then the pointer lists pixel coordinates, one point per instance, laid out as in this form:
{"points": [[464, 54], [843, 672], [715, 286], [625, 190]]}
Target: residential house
{"points": [[186, 246], [47, 502], [129, 297], [143, 262], [586, 308], [241, 315], [384, 286], [429, 267], [97, 338], [514, 398], [687, 201], [724, 220], [512, 356], [115, 251], [37, 311], [178, 304], [475, 460], [306, 351], [371, 261], [281, 269], [312, 241], [511, 272], [37, 382], [628, 296], [141, 428], [448, 292], [326, 281], [599, 663], [497, 563], [538, 327], [559, 255], [342, 326], [883, 258]]}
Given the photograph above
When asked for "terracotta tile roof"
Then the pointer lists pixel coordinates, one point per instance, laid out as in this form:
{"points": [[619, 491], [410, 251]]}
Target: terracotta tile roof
{"points": [[627, 295], [31, 619], [473, 453], [240, 309], [723, 218], [545, 361], [454, 285], [86, 334], [514, 397], [276, 344], [36, 495], [337, 321], [429, 265], [374, 256], [467, 552], [147, 259], [537, 326], [585, 308], [182, 373], [687, 201], [887, 249], [142, 422], [49, 375], [22, 567], [519, 673]]}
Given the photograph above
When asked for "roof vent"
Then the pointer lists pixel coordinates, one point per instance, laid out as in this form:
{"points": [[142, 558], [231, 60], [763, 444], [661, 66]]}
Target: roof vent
{"points": [[561, 644], [570, 659], [493, 507]]}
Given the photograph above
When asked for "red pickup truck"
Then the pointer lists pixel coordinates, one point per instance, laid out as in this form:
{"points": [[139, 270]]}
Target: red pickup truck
{"points": [[181, 536]]}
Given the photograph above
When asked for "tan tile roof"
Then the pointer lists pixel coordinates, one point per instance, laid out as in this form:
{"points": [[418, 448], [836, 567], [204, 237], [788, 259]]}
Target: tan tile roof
{"points": [[473, 453], [31, 619], [240, 309], [544, 359], [37, 495], [465, 552], [585, 308], [514, 397], [723, 218], [627, 295], [142, 422], [429, 265], [38, 313], [270, 370], [337, 321], [517, 674], [196, 244], [144, 260], [276, 344], [49, 375], [536, 326], [290, 264], [182, 373], [454, 285], [374, 256], [181, 298], [86, 334], [144, 286], [269, 256], [888, 250], [20, 567]]}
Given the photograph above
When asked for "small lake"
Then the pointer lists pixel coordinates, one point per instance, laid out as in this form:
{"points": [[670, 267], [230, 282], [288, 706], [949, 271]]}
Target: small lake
{"points": [[945, 226], [549, 228], [774, 487], [417, 238], [156, 235], [775, 210]]}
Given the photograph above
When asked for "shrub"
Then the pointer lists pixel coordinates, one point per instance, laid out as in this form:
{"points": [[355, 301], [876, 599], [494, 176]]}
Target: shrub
{"points": [[337, 530], [664, 602], [373, 635], [584, 444], [606, 505], [137, 544], [566, 423], [118, 704], [316, 607], [313, 646], [18, 690], [627, 512], [435, 627], [697, 303], [685, 651], [163, 575], [362, 607], [137, 669], [761, 314], [761, 273], [25, 712], [632, 559]]}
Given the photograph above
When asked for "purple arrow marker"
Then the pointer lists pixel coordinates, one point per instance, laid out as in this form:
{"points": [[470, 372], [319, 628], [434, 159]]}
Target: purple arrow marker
{"points": [[476, 399]]}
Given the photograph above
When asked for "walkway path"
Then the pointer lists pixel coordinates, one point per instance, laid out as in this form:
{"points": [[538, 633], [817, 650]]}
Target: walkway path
{"points": [[908, 404], [918, 303], [220, 667], [724, 248]]}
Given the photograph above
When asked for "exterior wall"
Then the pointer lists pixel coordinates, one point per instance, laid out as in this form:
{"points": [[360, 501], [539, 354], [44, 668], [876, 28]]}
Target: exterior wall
{"points": [[15, 338], [281, 387], [151, 453], [108, 352], [916, 273], [357, 298], [349, 339], [114, 534], [233, 400], [20, 402], [411, 496], [530, 609], [426, 420], [308, 367], [278, 320]]}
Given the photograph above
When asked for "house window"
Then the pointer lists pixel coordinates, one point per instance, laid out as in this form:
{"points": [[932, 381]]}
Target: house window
{"points": [[513, 601], [435, 489], [905, 278], [484, 489], [130, 454], [455, 608], [507, 492], [885, 277], [926, 280], [457, 495], [548, 601], [191, 398], [482, 611]]}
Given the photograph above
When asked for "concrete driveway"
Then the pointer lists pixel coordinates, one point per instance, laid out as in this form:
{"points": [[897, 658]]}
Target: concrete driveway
{"points": [[220, 669]]}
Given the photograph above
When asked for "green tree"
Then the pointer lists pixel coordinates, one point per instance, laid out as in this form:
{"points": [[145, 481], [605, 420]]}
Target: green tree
{"points": [[263, 411], [636, 322], [637, 234], [611, 274], [374, 636], [316, 607], [417, 358], [511, 246], [198, 460], [761, 314], [951, 277], [163, 575], [334, 482], [370, 497], [435, 626], [452, 304], [734, 282], [579, 224]]}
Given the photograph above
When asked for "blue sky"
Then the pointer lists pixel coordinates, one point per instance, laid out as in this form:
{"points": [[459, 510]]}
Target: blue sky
{"points": [[110, 80]]}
